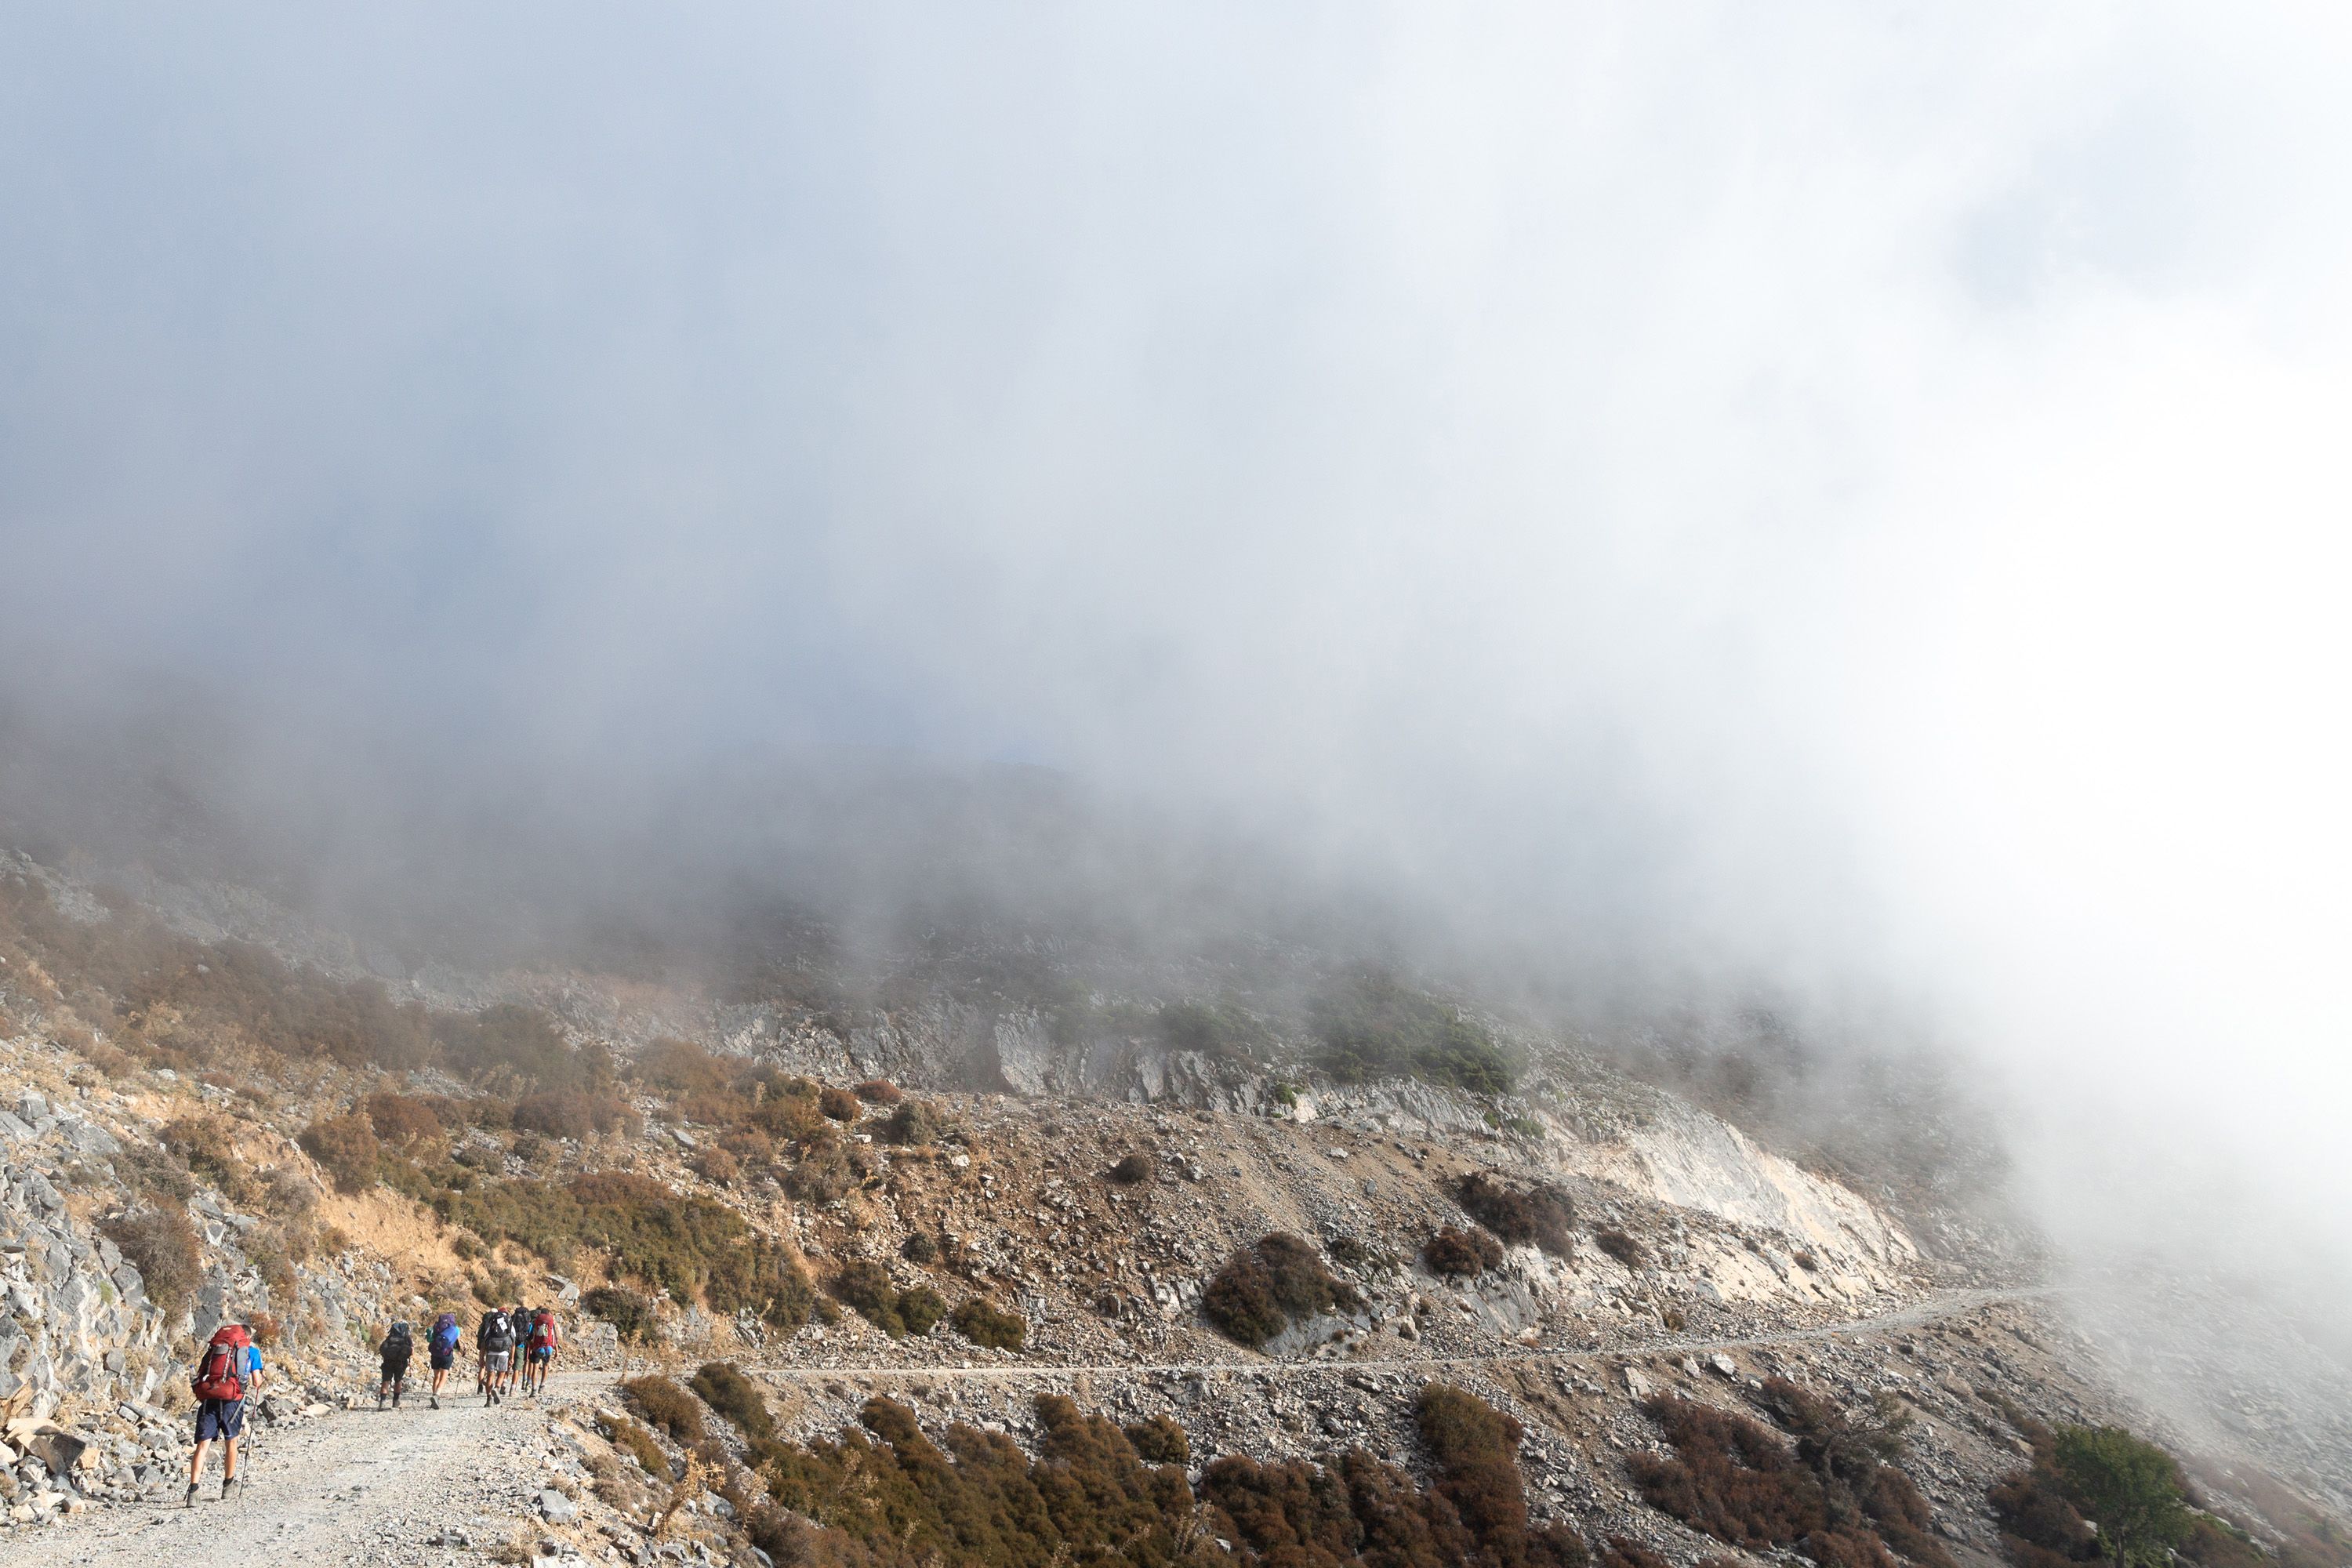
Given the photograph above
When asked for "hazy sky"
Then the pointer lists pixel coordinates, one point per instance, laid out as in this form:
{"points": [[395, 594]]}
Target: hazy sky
{"points": [[1855, 491]]}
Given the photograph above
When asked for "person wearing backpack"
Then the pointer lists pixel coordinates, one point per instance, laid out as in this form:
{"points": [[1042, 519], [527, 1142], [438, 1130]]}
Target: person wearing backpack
{"points": [[227, 1372], [520, 1316], [498, 1342], [546, 1338], [441, 1352], [539, 1353], [394, 1353]]}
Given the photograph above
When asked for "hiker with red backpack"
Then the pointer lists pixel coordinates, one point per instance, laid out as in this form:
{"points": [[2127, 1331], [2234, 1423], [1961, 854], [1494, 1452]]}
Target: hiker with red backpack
{"points": [[539, 1349], [227, 1373]]}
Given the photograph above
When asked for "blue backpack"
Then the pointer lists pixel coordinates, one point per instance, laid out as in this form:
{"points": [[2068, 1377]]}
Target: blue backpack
{"points": [[444, 1335]]}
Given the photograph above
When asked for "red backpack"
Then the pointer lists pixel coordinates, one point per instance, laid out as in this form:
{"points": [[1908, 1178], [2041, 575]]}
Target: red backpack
{"points": [[542, 1330], [220, 1372]]}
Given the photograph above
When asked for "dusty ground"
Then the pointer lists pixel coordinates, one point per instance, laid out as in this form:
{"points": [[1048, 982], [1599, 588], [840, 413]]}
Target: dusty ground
{"points": [[362, 1487]]}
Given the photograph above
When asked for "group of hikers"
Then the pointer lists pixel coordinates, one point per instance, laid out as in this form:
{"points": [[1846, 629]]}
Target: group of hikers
{"points": [[509, 1342], [229, 1372]]}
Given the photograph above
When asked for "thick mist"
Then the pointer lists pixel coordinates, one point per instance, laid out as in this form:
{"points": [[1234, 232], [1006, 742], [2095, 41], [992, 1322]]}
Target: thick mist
{"points": [[1846, 503]]}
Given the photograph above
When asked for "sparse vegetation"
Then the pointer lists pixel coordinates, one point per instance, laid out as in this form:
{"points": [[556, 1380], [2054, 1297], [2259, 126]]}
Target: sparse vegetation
{"points": [[1271, 1284], [918, 1248], [1462, 1254], [865, 1285], [572, 1113], [161, 1244], [1375, 1028], [1223, 1033], [1131, 1170], [984, 1322], [346, 1149], [206, 1143], [1520, 1216], [639, 1444]]}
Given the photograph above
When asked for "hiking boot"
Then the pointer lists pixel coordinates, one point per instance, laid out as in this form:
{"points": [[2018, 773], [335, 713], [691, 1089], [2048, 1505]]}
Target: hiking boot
{"points": [[228, 1489], [191, 1496], [436, 1400]]}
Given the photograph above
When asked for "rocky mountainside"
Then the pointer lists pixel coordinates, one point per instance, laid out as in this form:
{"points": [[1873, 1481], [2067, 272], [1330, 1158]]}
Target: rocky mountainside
{"points": [[1190, 1216]]}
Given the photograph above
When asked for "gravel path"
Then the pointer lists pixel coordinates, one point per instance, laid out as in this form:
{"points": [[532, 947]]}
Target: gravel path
{"points": [[360, 1487]]}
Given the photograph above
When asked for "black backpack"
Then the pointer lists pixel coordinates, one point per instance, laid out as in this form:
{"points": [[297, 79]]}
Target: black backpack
{"points": [[396, 1345], [498, 1334]]}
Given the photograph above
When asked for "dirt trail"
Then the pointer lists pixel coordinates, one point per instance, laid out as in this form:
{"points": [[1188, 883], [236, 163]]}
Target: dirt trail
{"points": [[360, 1487], [1934, 1308]]}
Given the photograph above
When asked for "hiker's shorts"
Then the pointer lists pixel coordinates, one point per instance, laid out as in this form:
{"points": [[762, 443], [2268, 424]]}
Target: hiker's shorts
{"points": [[542, 1352], [223, 1418], [442, 1362], [496, 1360]]}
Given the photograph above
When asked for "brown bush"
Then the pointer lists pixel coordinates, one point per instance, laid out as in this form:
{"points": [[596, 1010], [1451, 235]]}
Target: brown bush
{"points": [[725, 1389], [401, 1121], [1622, 1248], [839, 1104], [665, 1406], [1132, 1169], [879, 1091], [717, 1165], [346, 1149], [639, 1444], [1159, 1441], [1267, 1286], [918, 1248], [1462, 1254], [751, 1148], [822, 1177], [205, 1142], [266, 1330], [683, 1067], [572, 1113], [1540, 1215], [161, 1244], [1835, 1498]]}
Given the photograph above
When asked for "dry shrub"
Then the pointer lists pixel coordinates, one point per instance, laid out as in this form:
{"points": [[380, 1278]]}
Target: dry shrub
{"points": [[1362, 1510], [839, 1104], [1520, 1216], [984, 1322], [161, 1244], [753, 1148], [1267, 1286], [879, 1091], [266, 1330], [1157, 1440], [822, 1177], [401, 1121], [346, 1149], [717, 1167], [683, 1069], [573, 1114], [665, 1406], [206, 1142], [918, 1248], [639, 1444], [1134, 1168], [1625, 1552], [866, 1286], [914, 1124], [1622, 1248], [1462, 1254], [1834, 1497]]}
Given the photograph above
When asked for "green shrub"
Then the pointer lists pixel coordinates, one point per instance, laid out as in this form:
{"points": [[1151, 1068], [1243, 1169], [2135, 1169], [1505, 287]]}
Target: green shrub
{"points": [[631, 1314], [918, 1248], [822, 1177], [984, 1322], [665, 1406], [914, 1123], [1224, 1032], [1520, 1216], [1267, 1286], [864, 1285], [1374, 1028], [639, 1444], [688, 1246], [161, 1244], [725, 1389], [1157, 1440], [346, 1149], [919, 1308]]}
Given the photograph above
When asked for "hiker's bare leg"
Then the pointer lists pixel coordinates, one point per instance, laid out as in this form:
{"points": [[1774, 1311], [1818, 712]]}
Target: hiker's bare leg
{"points": [[228, 1459], [196, 1461]]}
